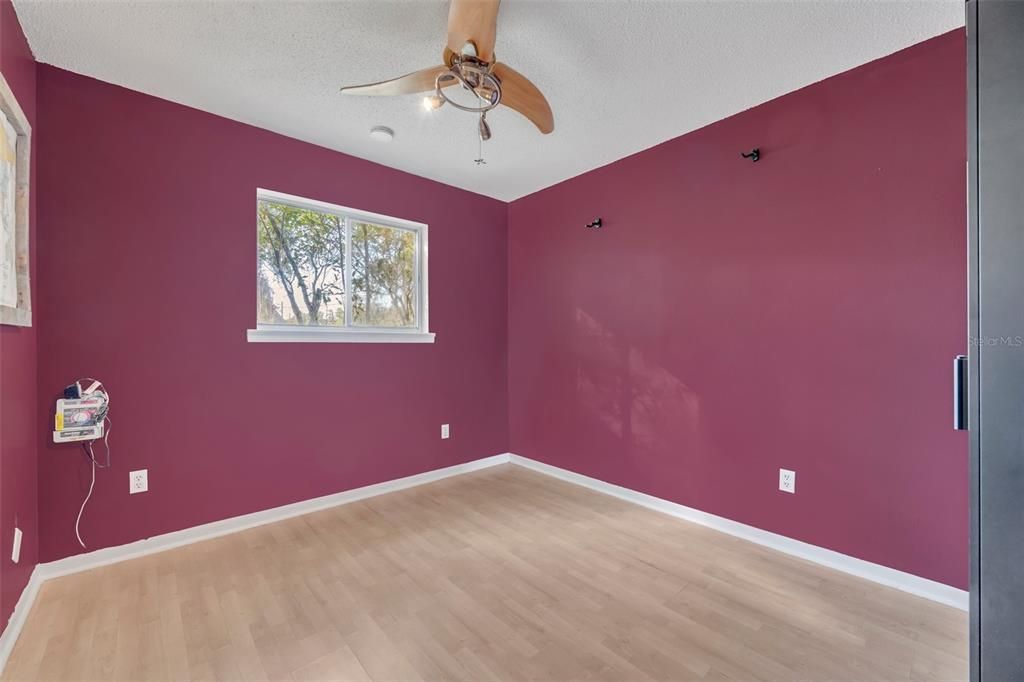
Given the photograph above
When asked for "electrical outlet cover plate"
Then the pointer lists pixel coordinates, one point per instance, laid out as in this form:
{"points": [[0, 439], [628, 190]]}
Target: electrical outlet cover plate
{"points": [[445, 431], [787, 481], [138, 481], [16, 550]]}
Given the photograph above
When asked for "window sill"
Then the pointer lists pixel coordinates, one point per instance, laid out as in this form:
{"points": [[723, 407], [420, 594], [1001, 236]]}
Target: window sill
{"points": [[336, 336]]}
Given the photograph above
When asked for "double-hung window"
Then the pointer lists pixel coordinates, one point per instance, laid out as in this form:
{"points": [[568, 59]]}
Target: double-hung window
{"points": [[327, 273]]}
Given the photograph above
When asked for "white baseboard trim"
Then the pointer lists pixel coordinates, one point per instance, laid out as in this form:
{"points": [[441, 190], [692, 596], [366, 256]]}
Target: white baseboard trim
{"points": [[883, 575], [160, 543], [110, 555], [19, 616]]}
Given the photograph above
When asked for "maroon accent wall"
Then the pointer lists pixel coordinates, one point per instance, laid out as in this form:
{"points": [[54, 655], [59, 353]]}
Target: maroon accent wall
{"points": [[147, 281], [732, 318], [18, 360]]}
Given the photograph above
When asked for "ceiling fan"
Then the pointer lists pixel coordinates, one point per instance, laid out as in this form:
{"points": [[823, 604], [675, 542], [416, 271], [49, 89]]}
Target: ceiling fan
{"points": [[469, 62]]}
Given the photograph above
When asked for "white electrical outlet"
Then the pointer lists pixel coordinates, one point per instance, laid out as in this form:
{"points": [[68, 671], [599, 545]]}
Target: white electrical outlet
{"points": [[787, 481], [138, 481], [16, 550], [445, 431]]}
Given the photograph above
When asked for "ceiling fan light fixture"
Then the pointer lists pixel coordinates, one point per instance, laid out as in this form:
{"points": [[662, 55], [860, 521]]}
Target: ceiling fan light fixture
{"points": [[433, 102]]}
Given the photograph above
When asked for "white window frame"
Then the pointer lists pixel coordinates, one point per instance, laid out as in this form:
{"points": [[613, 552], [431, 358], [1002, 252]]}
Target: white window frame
{"points": [[288, 333]]}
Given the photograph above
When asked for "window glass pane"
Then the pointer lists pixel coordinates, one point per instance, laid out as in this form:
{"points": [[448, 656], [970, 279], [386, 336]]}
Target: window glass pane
{"points": [[383, 276], [301, 277]]}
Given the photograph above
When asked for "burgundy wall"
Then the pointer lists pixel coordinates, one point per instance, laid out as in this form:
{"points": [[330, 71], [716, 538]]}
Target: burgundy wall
{"points": [[730, 319], [18, 359], [733, 318], [147, 281]]}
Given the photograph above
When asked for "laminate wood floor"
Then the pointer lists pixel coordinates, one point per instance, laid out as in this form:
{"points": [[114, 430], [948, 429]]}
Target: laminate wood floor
{"points": [[500, 574]]}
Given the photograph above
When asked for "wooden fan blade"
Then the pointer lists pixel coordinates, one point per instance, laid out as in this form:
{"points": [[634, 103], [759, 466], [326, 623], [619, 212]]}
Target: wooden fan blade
{"points": [[417, 81], [518, 93], [473, 21]]}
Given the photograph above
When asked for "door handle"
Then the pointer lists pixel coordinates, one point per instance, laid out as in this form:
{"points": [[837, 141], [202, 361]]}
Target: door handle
{"points": [[960, 393]]}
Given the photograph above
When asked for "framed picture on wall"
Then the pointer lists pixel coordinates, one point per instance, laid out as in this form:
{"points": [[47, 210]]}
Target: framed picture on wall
{"points": [[15, 146]]}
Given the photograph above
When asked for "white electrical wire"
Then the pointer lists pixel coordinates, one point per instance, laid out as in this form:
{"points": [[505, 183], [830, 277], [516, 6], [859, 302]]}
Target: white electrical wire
{"points": [[104, 411], [81, 509]]}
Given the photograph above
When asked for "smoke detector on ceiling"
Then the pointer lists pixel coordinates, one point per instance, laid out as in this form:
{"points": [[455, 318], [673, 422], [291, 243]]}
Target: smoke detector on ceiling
{"points": [[382, 133]]}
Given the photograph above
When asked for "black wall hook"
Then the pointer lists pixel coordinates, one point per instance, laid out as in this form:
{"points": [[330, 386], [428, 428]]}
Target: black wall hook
{"points": [[595, 225], [754, 154]]}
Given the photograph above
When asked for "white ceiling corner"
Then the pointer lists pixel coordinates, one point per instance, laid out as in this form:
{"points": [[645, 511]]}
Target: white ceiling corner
{"points": [[621, 76]]}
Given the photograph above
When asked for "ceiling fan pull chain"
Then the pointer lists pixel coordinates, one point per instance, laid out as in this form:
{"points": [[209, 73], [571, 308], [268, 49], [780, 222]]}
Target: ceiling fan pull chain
{"points": [[479, 160], [483, 128]]}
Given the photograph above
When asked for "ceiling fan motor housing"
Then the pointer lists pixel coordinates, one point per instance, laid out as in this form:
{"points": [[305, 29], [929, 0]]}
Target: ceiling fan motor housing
{"points": [[474, 76]]}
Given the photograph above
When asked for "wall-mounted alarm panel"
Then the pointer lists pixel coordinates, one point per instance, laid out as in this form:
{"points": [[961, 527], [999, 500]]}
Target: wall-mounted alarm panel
{"points": [[78, 419]]}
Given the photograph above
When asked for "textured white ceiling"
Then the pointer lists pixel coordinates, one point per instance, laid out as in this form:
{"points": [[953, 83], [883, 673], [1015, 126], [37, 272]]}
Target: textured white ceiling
{"points": [[620, 76]]}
